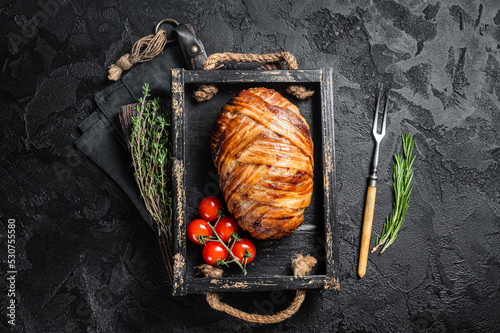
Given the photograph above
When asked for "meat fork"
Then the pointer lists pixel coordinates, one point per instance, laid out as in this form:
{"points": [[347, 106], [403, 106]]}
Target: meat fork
{"points": [[372, 186]]}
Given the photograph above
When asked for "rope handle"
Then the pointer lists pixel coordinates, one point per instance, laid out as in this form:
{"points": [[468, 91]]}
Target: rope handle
{"points": [[301, 266], [206, 92], [287, 57]]}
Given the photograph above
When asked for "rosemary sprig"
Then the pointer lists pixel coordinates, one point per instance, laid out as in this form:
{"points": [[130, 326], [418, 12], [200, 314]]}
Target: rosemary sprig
{"points": [[402, 177], [152, 161]]}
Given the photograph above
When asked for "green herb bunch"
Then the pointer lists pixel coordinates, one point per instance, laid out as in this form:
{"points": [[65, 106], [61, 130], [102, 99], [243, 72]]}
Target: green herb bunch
{"points": [[402, 177], [152, 161]]}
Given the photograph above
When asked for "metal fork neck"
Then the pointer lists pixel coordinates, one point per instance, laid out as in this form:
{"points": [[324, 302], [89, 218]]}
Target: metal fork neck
{"points": [[372, 182], [372, 178]]}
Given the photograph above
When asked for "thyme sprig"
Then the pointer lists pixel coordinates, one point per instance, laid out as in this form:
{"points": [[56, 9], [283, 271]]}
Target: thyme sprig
{"points": [[402, 177], [152, 160]]}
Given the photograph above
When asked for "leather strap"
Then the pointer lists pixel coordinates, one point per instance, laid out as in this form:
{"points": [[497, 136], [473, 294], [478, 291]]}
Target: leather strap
{"points": [[191, 46]]}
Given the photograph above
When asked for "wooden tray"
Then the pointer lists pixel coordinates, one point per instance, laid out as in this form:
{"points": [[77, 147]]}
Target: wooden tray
{"points": [[195, 176]]}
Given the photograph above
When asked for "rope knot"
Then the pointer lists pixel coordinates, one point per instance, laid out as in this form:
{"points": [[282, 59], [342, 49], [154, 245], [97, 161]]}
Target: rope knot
{"points": [[205, 93], [302, 265], [209, 271], [299, 91], [124, 62]]}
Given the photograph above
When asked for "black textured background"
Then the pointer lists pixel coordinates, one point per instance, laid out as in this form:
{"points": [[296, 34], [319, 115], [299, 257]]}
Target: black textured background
{"points": [[87, 262]]}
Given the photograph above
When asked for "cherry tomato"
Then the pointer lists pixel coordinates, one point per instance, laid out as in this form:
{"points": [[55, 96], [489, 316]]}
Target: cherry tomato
{"points": [[225, 227], [213, 251], [239, 250], [209, 208], [198, 227]]}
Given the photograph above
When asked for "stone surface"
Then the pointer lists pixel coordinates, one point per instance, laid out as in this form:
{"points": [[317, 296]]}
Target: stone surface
{"points": [[86, 261]]}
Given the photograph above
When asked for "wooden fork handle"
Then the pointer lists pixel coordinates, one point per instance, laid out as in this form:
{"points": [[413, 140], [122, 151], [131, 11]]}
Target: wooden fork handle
{"points": [[367, 229]]}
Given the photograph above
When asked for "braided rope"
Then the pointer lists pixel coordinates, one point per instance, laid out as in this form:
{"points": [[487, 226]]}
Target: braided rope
{"points": [[288, 58], [152, 44]]}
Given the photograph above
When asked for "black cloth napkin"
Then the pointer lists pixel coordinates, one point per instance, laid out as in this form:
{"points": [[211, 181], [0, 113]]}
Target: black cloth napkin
{"points": [[102, 139]]}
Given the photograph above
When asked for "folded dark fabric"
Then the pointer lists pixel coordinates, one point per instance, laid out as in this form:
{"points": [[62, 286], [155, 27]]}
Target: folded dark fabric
{"points": [[102, 139], [102, 147]]}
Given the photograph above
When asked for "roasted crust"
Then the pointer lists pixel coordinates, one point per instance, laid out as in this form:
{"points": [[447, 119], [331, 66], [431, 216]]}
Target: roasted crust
{"points": [[262, 148]]}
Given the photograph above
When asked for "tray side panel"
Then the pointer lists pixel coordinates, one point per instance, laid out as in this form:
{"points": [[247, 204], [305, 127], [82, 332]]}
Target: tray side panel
{"points": [[256, 283], [178, 183], [331, 281], [236, 76]]}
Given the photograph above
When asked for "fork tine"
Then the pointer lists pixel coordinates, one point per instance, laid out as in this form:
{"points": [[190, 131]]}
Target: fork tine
{"points": [[384, 121], [375, 123], [378, 96], [377, 108]]}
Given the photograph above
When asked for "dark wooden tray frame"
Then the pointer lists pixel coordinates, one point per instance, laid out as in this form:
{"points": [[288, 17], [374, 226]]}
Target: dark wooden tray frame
{"points": [[181, 283]]}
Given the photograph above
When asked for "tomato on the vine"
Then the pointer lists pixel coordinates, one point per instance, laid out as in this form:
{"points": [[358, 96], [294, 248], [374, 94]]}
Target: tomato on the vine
{"points": [[225, 228], [213, 251], [209, 208], [199, 228], [239, 249]]}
